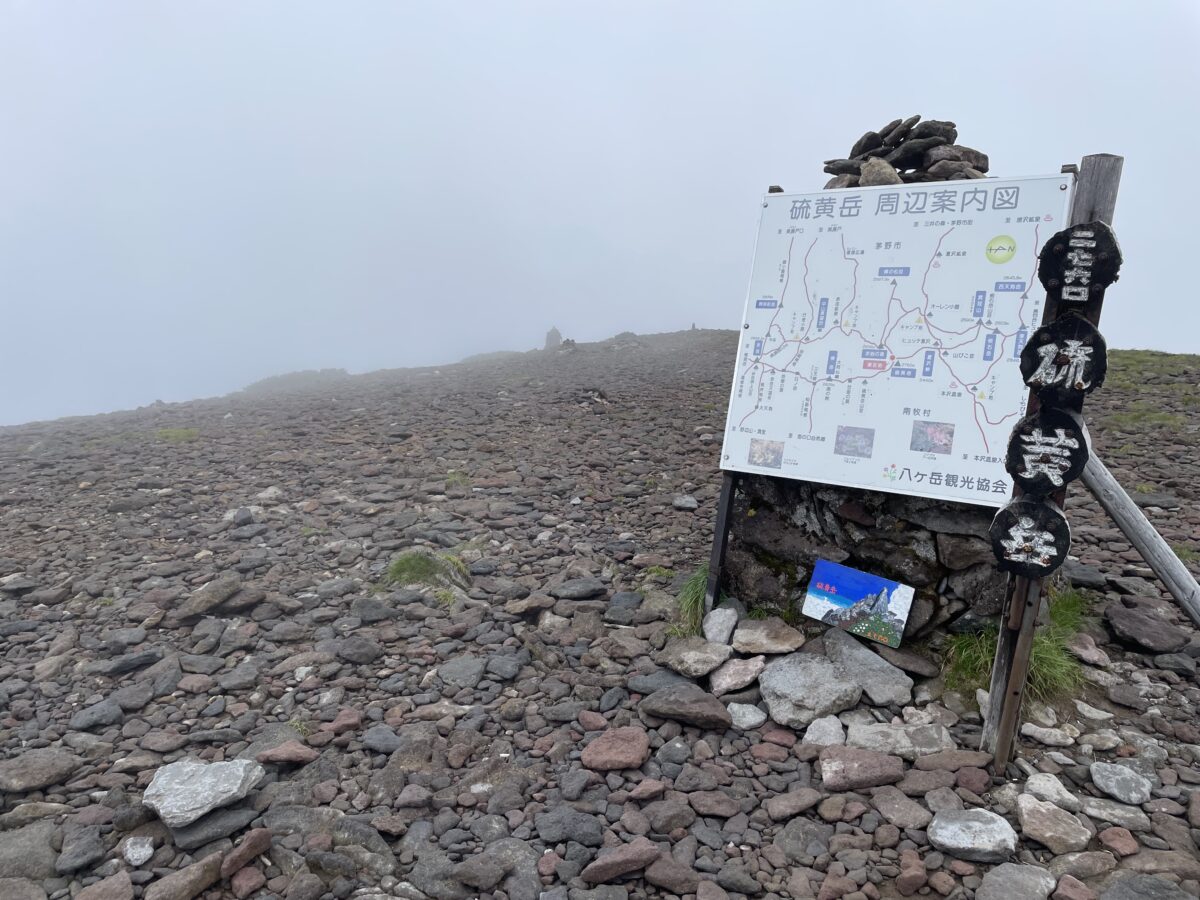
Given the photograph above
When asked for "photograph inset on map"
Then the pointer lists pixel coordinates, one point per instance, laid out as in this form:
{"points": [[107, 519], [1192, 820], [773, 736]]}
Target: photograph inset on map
{"points": [[932, 437], [768, 454], [854, 441]]}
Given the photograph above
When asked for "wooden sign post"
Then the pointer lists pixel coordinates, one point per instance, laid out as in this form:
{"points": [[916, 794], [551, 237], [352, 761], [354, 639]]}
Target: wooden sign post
{"points": [[1063, 362]]}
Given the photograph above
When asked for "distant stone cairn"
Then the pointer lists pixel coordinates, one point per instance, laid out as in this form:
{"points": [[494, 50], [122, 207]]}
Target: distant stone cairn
{"points": [[553, 339]]}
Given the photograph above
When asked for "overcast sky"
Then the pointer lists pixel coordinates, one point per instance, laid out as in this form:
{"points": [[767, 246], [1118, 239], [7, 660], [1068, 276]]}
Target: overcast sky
{"points": [[197, 195]]}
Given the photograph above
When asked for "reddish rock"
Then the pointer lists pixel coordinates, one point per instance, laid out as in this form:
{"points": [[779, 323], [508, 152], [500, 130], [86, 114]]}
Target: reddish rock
{"points": [[975, 780], [618, 748], [1119, 840], [852, 768], [769, 753], [912, 875], [785, 806], [943, 883], [547, 863], [648, 789], [292, 752], [1071, 888], [590, 720], [345, 720], [773, 734], [887, 835], [917, 783], [391, 825], [835, 886], [196, 683], [714, 803], [677, 878], [254, 844], [953, 760], [246, 881], [187, 882], [631, 857]]}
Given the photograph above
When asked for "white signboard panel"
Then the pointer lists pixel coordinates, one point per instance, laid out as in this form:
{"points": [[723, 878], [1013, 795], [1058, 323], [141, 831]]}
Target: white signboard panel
{"points": [[883, 326]]}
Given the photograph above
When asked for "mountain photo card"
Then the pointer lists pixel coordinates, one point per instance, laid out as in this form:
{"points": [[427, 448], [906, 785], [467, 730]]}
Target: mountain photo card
{"points": [[858, 602]]}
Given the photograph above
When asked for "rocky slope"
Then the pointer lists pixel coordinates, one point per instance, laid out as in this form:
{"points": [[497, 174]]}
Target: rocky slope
{"points": [[210, 687]]}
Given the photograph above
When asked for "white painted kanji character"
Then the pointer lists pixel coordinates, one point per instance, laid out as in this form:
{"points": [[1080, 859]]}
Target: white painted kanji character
{"points": [[1048, 455], [1050, 372], [1026, 543]]}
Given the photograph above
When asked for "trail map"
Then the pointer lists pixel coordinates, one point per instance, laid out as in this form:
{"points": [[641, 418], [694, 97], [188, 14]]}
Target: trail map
{"points": [[882, 335]]}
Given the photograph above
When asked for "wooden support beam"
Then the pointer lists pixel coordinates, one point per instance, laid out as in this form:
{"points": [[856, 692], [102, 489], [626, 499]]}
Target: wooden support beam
{"points": [[716, 562], [1146, 540], [1007, 688]]}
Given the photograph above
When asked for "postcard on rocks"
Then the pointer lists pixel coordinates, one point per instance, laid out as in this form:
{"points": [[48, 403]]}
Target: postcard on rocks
{"points": [[861, 603]]}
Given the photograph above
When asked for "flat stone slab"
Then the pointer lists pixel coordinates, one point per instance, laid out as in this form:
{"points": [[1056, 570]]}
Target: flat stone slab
{"points": [[36, 769], [687, 703], [852, 768], [694, 656], [618, 748], [771, 636], [882, 682], [182, 792], [1011, 881], [1121, 783], [736, 674], [977, 835]]}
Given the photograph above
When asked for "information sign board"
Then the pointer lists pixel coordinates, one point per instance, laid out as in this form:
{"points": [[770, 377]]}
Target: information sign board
{"points": [[882, 335]]}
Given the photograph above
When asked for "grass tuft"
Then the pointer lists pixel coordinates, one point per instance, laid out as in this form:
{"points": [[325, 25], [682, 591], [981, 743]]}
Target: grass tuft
{"points": [[1185, 553], [415, 568], [454, 478], [661, 572], [177, 435], [1054, 672], [691, 603], [434, 570]]}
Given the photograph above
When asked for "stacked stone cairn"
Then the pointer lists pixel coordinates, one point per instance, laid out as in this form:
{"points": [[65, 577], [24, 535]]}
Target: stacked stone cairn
{"points": [[907, 151]]}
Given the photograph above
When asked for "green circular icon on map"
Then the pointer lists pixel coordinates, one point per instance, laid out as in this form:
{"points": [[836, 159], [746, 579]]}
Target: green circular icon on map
{"points": [[1001, 248]]}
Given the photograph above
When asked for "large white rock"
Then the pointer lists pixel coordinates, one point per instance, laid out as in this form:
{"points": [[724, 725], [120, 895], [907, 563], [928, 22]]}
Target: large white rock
{"points": [[882, 682], [1121, 783], [746, 717], [1051, 737], [801, 687], [826, 731], [974, 834], [719, 624], [735, 674], [1045, 786], [1106, 810], [182, 792], [694, 656], [1050, 825]]}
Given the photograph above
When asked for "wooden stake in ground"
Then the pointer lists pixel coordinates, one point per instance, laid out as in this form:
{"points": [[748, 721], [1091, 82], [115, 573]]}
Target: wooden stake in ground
{"points": [[1095, 201]]}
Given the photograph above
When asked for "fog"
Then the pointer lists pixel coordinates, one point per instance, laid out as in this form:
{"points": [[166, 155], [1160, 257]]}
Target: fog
{"points": [[197, 195]]}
